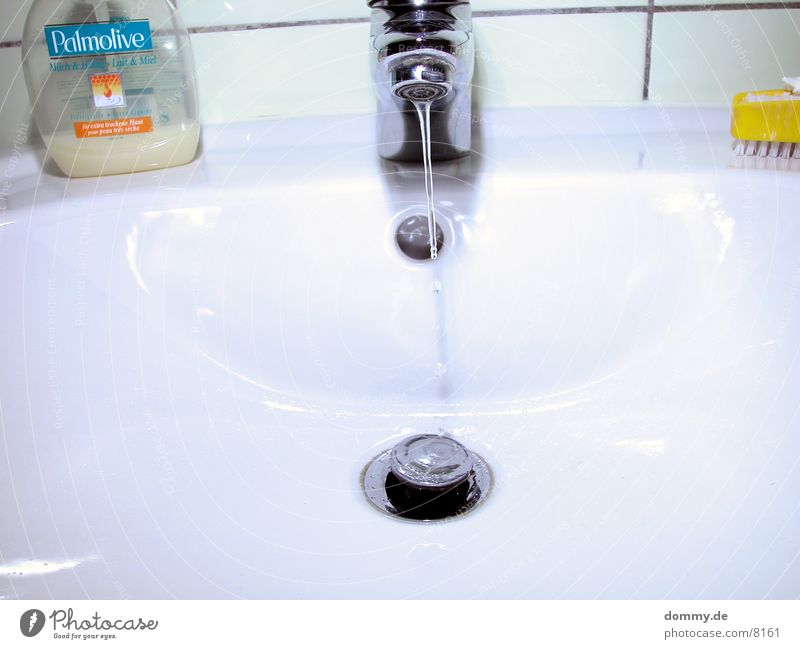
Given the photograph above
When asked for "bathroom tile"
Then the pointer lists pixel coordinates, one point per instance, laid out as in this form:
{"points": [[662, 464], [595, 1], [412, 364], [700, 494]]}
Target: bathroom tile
{"points": [[560, 60], [683, 3], [14, 106], [571, 59], [203, 13], [12, 19], [521, 5], [282, 72], [707, 57]]}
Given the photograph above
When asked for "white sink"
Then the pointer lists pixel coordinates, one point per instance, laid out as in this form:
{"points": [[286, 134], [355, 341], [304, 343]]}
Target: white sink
{"points": [[198, 363]]}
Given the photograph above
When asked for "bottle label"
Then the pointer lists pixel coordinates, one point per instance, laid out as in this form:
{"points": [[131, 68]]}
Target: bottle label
{"points": [[113, 127], [92, 39], [107, 91]]}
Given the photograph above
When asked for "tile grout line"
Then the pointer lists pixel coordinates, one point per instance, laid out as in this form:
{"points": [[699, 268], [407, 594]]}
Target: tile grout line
{"points": [[244, 27], [650, 8], [726, 6], [648, 50], [554, 11]]}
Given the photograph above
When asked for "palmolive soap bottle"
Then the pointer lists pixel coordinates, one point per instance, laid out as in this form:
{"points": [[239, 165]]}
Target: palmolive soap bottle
{"points": [[112, 84]]}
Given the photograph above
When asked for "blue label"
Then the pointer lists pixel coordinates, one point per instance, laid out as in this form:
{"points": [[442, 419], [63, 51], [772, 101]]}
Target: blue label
{"points": [[91, 39]]}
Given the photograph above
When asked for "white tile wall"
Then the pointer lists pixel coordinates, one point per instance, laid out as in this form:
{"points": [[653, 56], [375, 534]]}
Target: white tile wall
{"points": [[497, 5], [198, 13], [712, 2], [12, 18], [707, 57], [568, 60], [283, 72], [522, 60], [560, 59], [14, 106]]}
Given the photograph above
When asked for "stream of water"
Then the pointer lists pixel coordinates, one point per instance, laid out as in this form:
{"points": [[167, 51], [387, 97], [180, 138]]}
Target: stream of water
{"points": [[440, 360], [424, 114]]}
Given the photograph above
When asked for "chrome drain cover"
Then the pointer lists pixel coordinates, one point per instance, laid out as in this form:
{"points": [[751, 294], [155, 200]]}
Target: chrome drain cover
{"points": [[427, 478]]}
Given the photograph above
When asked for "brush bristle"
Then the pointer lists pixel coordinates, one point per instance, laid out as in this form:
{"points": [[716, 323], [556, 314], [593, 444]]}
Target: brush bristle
{"points": [[780, 150]]}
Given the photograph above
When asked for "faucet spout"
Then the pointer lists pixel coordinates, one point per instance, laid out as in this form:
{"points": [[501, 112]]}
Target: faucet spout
{"points": [[423, 53], [422, 76]]}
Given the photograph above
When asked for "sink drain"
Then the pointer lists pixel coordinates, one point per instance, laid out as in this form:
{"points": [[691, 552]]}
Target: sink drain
{"points": [[413, 237], [427, 478]]}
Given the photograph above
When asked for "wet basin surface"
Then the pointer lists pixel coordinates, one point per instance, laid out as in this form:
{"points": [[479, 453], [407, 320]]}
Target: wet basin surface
{"points": [[198, 364]]}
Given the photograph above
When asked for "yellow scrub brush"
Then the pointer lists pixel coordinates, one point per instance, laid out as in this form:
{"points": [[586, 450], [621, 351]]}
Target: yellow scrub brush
{"points": [[766, 123]]}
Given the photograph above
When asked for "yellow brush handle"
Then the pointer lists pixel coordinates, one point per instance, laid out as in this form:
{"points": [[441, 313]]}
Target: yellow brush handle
{"points": [[771, 120]]}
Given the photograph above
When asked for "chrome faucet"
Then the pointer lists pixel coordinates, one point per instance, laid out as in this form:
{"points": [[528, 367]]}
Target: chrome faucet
{"points": [[423, 52]]}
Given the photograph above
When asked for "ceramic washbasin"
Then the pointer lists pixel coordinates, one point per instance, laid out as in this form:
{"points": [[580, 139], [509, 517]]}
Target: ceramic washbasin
{"points": [[198, 363]]}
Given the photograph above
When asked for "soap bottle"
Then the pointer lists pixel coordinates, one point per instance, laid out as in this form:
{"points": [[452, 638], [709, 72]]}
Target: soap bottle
{"points": [[112, 85]]}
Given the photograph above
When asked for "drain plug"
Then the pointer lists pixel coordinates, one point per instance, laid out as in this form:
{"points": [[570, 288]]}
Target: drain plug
{"points": [[414, 240], [427, 478]]}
